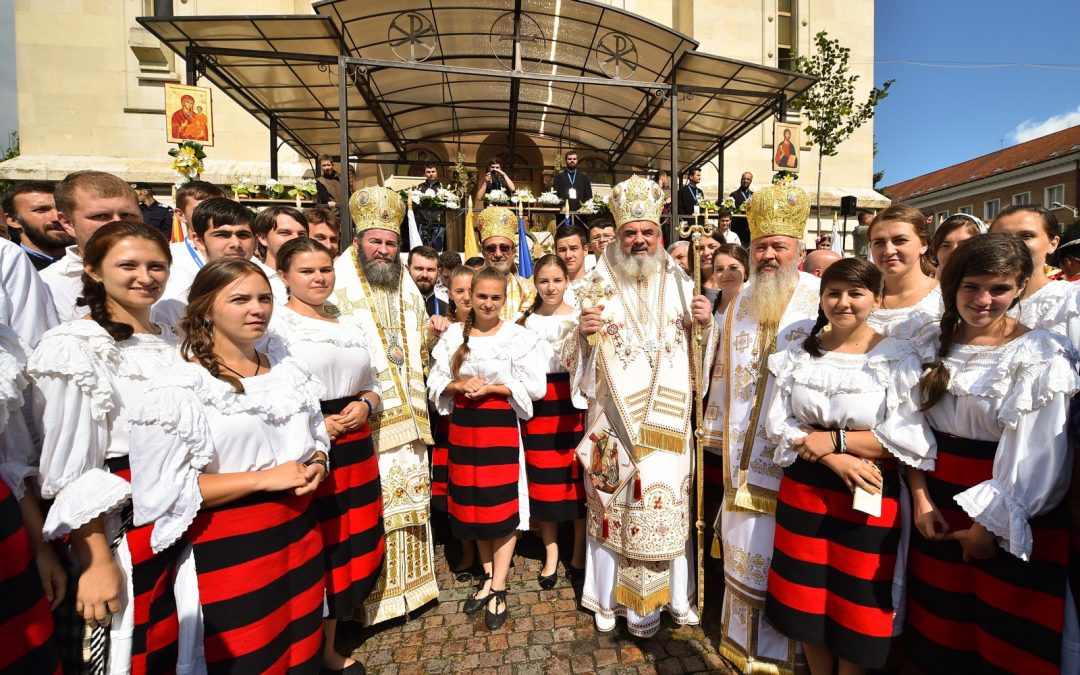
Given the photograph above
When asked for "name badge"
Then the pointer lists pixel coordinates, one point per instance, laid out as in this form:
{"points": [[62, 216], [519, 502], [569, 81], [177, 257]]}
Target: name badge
{"points": [[571, 193]]}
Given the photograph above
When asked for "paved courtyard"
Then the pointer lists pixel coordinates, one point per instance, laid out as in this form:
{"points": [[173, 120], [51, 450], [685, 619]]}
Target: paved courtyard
{"points": [[546, 633]]}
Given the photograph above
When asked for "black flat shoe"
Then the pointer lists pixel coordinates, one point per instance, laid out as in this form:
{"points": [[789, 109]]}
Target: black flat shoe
{"points": [[469, 573], [493, 620], [355, 668], [475, 604], [575, 574], [547, 583]]}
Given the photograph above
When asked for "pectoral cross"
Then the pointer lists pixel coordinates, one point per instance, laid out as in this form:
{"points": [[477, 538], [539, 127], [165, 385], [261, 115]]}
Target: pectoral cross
{"points": [[593, 293]]}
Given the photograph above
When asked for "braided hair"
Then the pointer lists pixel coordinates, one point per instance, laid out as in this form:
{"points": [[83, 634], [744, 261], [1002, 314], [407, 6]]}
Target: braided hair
{"points": [[995, 253], [101, 242], [545, 261], [197, 324], [487, 273], [853, 271]]}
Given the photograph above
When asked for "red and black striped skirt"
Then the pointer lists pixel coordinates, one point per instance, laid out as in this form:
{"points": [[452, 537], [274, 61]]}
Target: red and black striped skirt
{"points": [[26, 624], [831, 578], [348, 505], [551, 437], [156, 631], [482, 468], [1002, 614], [439, 453], [261, 583]]}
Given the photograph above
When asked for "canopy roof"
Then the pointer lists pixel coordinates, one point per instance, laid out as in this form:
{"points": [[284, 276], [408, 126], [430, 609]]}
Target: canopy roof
{"points": [[579, 73]]}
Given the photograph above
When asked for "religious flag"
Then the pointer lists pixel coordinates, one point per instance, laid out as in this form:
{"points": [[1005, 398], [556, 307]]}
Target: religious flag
{"points": [[525, 266], [176, 233], [472, 248], [414, 231]]}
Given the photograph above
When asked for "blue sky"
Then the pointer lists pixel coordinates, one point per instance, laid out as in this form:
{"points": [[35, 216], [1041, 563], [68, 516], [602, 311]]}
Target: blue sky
{"points": [[937, 116]]}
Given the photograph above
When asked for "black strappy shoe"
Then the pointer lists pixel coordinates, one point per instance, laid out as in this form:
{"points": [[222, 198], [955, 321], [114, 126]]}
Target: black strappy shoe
{"points": [[493, 620], [475, 604]]}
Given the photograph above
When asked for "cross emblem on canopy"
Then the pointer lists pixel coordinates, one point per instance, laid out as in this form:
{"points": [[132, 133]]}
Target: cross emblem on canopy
{"points": [[526, 38], [414, 30]]}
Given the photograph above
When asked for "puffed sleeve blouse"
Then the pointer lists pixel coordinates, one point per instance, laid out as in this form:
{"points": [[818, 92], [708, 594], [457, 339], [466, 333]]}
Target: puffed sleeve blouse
{"points": [[1018, 395], [18, 456], [338, 352], [192, 423], [857, 392], [905, 322], [555, 330], [85, 386], [1054, 307], [514, 356]]}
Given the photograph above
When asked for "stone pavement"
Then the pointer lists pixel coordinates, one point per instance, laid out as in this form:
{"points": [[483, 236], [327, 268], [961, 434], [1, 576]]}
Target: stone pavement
{"points": [[546, 633]]}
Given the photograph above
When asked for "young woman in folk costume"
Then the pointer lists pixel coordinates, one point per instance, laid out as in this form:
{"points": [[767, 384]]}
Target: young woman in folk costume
{"points": [[899, 241], [842, 420], [987, 569], [348, 504], [238, 444], [486, 375], [89, 374], [556, 490], [1047, 303], [460, 291], [32, 579], [952, 232]]}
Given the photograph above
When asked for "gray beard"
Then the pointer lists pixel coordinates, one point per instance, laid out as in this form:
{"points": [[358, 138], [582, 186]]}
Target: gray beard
{"points": [[768, 294], [384, 275], [636, 267]]}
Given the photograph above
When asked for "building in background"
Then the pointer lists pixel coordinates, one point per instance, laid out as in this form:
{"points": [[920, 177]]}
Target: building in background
{"points": [[98, 102], [1044, 170]]}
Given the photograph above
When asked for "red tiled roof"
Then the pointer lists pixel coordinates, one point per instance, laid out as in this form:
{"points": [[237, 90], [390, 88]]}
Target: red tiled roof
{"points": [[1044, 148]]}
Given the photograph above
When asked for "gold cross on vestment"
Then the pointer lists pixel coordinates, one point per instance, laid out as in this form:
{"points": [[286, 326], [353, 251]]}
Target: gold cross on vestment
{"points": [[593, 293]]}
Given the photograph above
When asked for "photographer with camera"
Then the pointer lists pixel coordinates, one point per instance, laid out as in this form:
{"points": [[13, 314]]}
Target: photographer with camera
{"points": [[494, 179]]}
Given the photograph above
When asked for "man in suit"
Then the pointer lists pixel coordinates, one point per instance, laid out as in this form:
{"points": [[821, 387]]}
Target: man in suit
{"points": [[432, 228], [744, 192], [572, 185], [689, 196]]}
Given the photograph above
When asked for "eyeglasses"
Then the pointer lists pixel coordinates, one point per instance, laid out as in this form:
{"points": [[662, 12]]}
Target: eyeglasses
{"points": [[602, 238], [498, 248]]}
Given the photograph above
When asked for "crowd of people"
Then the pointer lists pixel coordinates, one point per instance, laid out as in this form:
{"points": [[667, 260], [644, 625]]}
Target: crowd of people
{"points": [[214, 450]]}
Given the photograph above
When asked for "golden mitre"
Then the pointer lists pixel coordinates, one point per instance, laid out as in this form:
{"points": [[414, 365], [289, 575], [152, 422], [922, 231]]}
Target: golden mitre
{"points": [[636, 199], [779, 209], [498, 221], [376, 208]]}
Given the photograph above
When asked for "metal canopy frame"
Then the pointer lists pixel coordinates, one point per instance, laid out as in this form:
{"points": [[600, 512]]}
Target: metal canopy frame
{"points": [[367, 79]]}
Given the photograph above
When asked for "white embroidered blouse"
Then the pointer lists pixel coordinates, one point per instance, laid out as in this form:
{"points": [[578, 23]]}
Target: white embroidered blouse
{"points": [[191, 423], [1018, 395], [85, 385], [1054, 307], [857, 392], [514, 356], [904, 322], [338, 352], [18, 456]]}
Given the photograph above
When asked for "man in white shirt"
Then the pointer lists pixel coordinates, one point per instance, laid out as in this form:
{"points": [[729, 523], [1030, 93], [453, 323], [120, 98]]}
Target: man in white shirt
{"points": [[186, 259], [723, 228], [570, 243], [86, 200], [25, 304], [220, 228]]}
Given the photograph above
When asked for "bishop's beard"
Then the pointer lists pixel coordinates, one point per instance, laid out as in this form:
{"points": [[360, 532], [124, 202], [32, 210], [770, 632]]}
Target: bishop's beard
{"points": [[634, 266], [384, 274], [768, 294]]}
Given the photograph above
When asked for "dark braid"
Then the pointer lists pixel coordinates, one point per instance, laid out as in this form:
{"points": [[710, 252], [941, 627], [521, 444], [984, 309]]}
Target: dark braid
{"points": [[995, 253], [197, 325], [812, 343], [93, 295], [462, 352]]}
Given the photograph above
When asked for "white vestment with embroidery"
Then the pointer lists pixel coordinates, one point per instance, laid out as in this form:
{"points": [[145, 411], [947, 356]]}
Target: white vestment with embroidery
{"points": [[740, 393]]}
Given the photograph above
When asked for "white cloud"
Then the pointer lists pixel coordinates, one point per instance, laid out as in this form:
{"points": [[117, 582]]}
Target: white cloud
{"points": [[1029, 129]]}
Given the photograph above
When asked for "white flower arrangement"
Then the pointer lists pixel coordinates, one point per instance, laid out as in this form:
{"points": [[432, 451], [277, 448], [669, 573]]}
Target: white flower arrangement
{"points": [[244, 186], [497, 196], [274, 188], [523, 196], [306, 188], [728, 203], [594, 206], [549, 198]]}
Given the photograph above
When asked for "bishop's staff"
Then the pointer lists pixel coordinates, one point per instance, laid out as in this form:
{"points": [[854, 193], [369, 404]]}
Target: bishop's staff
{"points": [[695, 230]]}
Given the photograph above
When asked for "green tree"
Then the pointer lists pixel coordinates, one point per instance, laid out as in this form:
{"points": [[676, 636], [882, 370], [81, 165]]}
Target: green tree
{"points": [[829, 107], [8, 152]]}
